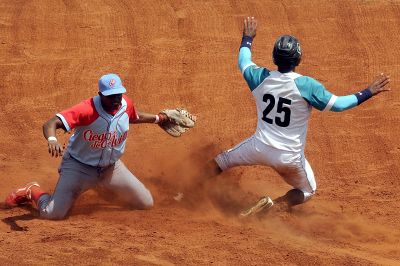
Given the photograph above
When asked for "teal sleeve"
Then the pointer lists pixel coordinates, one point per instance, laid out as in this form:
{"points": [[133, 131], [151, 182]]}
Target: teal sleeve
{"points": [[253, 74], [313, 92], [344, 103], [244, 59]]}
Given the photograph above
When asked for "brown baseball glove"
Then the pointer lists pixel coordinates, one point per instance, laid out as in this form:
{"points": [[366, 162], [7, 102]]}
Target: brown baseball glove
{"points": [[176, 121]]}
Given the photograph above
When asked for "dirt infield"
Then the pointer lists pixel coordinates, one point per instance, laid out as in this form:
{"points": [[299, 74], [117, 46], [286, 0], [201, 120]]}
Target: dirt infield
{"points": [[184, 53]]}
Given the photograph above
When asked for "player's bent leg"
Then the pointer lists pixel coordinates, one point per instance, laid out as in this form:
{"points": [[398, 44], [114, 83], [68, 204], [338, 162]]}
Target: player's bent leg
{"points": [[300, 175], [49, 211], [311, 180], [242, 154], [127, 187], [75, 178]]}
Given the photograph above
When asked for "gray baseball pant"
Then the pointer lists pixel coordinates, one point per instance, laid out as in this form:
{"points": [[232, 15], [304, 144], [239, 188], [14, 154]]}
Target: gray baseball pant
{"points": [[76, 178]]}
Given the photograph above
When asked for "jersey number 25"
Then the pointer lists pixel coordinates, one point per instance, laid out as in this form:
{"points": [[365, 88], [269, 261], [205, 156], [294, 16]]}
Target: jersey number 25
{"points": [[270, 100]]}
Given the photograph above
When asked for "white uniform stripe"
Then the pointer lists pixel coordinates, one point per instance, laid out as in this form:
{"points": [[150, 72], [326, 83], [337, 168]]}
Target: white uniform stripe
{"points": [[246, 66], [330, 103], [64, 122]]}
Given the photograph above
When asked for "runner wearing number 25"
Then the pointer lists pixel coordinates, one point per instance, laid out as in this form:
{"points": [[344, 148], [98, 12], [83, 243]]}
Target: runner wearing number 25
{"points": [[284, 101]]}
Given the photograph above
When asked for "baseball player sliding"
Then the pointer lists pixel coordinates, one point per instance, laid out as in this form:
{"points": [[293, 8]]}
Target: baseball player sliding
{"points": [[284, 101], [92, 158]]}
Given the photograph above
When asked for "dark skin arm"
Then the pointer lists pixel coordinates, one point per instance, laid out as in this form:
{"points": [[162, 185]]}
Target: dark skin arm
{"points": [[145, 118], [49, 129], [148, 118]]}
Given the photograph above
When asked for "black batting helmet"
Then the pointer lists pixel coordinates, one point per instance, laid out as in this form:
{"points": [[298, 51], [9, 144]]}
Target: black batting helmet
{"points": [[287, 51]]}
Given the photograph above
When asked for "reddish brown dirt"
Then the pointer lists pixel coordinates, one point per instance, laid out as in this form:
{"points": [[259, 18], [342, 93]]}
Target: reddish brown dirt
{"points": [[184, 53]]}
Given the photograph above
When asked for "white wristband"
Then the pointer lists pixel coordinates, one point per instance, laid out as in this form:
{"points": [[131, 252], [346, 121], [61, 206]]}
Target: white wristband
{"points": [[157, 119], [51, 138]]}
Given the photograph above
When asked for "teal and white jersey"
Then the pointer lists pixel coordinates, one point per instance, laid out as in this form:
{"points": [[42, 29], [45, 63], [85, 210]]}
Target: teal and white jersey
{"points": [[284, 103]]}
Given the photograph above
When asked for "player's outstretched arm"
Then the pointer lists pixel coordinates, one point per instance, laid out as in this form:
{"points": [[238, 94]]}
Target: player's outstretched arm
{"points": [[320, 98], [378, 85], [145, 118], [175, 122], [49, 133]]}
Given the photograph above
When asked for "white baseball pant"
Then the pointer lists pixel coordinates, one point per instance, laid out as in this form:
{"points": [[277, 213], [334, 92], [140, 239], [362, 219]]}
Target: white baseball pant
{"points": [[293, 167]]}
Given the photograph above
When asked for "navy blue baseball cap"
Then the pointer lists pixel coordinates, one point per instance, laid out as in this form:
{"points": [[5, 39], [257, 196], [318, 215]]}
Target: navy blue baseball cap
{"points": [[110, 84]]}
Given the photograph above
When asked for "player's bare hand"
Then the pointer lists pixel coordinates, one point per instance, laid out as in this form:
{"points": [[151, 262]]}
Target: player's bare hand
{"points": [[250, 27], [55, 148], [380, 84]]}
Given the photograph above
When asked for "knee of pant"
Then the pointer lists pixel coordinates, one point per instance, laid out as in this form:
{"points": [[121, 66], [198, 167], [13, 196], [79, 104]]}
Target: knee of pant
{"points": [[51, 213]]}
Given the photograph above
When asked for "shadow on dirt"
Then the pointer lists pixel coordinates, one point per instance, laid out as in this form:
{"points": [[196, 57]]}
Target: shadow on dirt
{"points": [[12, 221]]}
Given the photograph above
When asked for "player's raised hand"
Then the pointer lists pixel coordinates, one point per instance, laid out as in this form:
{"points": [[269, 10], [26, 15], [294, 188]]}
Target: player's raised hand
{"points": [[250, 27], [380, 84]]}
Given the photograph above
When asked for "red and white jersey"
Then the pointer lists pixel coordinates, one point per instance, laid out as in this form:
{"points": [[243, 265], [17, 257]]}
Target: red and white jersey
{"points": [[99, 138]]}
